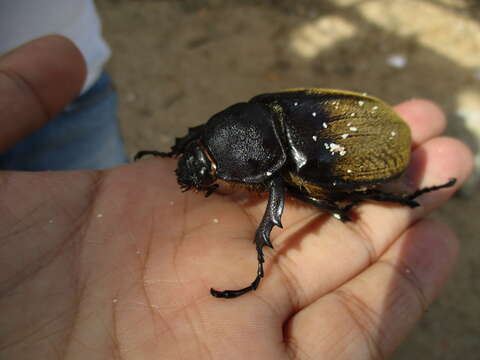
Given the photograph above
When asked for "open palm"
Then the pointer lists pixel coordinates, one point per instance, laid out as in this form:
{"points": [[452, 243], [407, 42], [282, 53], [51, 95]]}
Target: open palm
{"points": [[119, 263]]}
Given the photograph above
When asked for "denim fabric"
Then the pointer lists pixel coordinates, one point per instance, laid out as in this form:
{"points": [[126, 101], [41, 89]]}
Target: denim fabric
{"points": [[85, 135]]}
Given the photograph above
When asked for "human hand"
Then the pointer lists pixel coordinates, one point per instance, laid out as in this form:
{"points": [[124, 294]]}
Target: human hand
{"points": [[119, 263]]}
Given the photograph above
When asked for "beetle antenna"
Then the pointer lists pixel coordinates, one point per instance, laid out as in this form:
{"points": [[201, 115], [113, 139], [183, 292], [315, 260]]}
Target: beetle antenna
{"points": [[143, 153]]}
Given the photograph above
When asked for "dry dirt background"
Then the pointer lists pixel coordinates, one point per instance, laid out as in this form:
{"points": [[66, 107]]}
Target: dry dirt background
{"points": [[176, 63]]}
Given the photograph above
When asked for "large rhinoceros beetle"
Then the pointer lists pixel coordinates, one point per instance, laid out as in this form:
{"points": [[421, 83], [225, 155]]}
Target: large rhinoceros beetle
{"points": [[328, 148]]}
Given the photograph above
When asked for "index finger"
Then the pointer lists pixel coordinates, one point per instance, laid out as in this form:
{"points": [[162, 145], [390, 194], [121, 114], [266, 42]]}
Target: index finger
{"points": [[37, 80], [426, 119]]}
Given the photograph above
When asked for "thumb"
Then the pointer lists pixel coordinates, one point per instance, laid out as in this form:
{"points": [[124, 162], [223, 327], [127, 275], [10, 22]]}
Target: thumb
{"points": [[37, 80]]}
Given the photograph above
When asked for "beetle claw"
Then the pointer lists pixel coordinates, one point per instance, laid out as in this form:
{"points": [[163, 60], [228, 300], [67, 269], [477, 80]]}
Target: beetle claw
{"points": [[230, 294]]}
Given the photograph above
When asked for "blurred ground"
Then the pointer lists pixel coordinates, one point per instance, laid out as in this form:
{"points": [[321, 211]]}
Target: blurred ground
{"points": [[176, 63]]}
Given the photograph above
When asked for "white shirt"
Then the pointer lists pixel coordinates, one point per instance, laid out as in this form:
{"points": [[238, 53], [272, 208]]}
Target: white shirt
{"points": [[24, 20]]}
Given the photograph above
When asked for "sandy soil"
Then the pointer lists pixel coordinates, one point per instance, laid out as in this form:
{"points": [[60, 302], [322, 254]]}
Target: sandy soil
{"points": [[177, 62]]}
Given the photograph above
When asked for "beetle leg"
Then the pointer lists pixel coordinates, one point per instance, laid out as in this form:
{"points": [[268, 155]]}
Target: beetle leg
{"points": [[350, 206], [377, 195], [407, 200], [324, 205], [180, 144], [271, 218], [211, 189], [419, 192]]}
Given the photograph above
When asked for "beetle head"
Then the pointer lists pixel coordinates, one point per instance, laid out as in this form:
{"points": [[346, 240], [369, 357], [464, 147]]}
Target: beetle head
{"points": [[195, 169]]}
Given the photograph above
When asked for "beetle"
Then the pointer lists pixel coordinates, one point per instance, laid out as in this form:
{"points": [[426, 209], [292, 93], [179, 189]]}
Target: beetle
{"points": [[329, 148]]}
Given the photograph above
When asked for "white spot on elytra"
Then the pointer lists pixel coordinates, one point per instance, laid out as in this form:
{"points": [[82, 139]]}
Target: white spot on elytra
{"points": [[99, 215], [314, 114], [268, 173], [324, 125], [215, 221], [295, 103], [115, 300], [352, 114], [375, 108], [344, 136], [314, 137], [335, 148], [337, 216], [353, 128], [393, 133], [349, 171], [360, 102], [364, 94]]}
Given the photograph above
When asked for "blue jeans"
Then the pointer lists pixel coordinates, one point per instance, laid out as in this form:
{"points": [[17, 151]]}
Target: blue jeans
{"points": [[86, 135]]}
